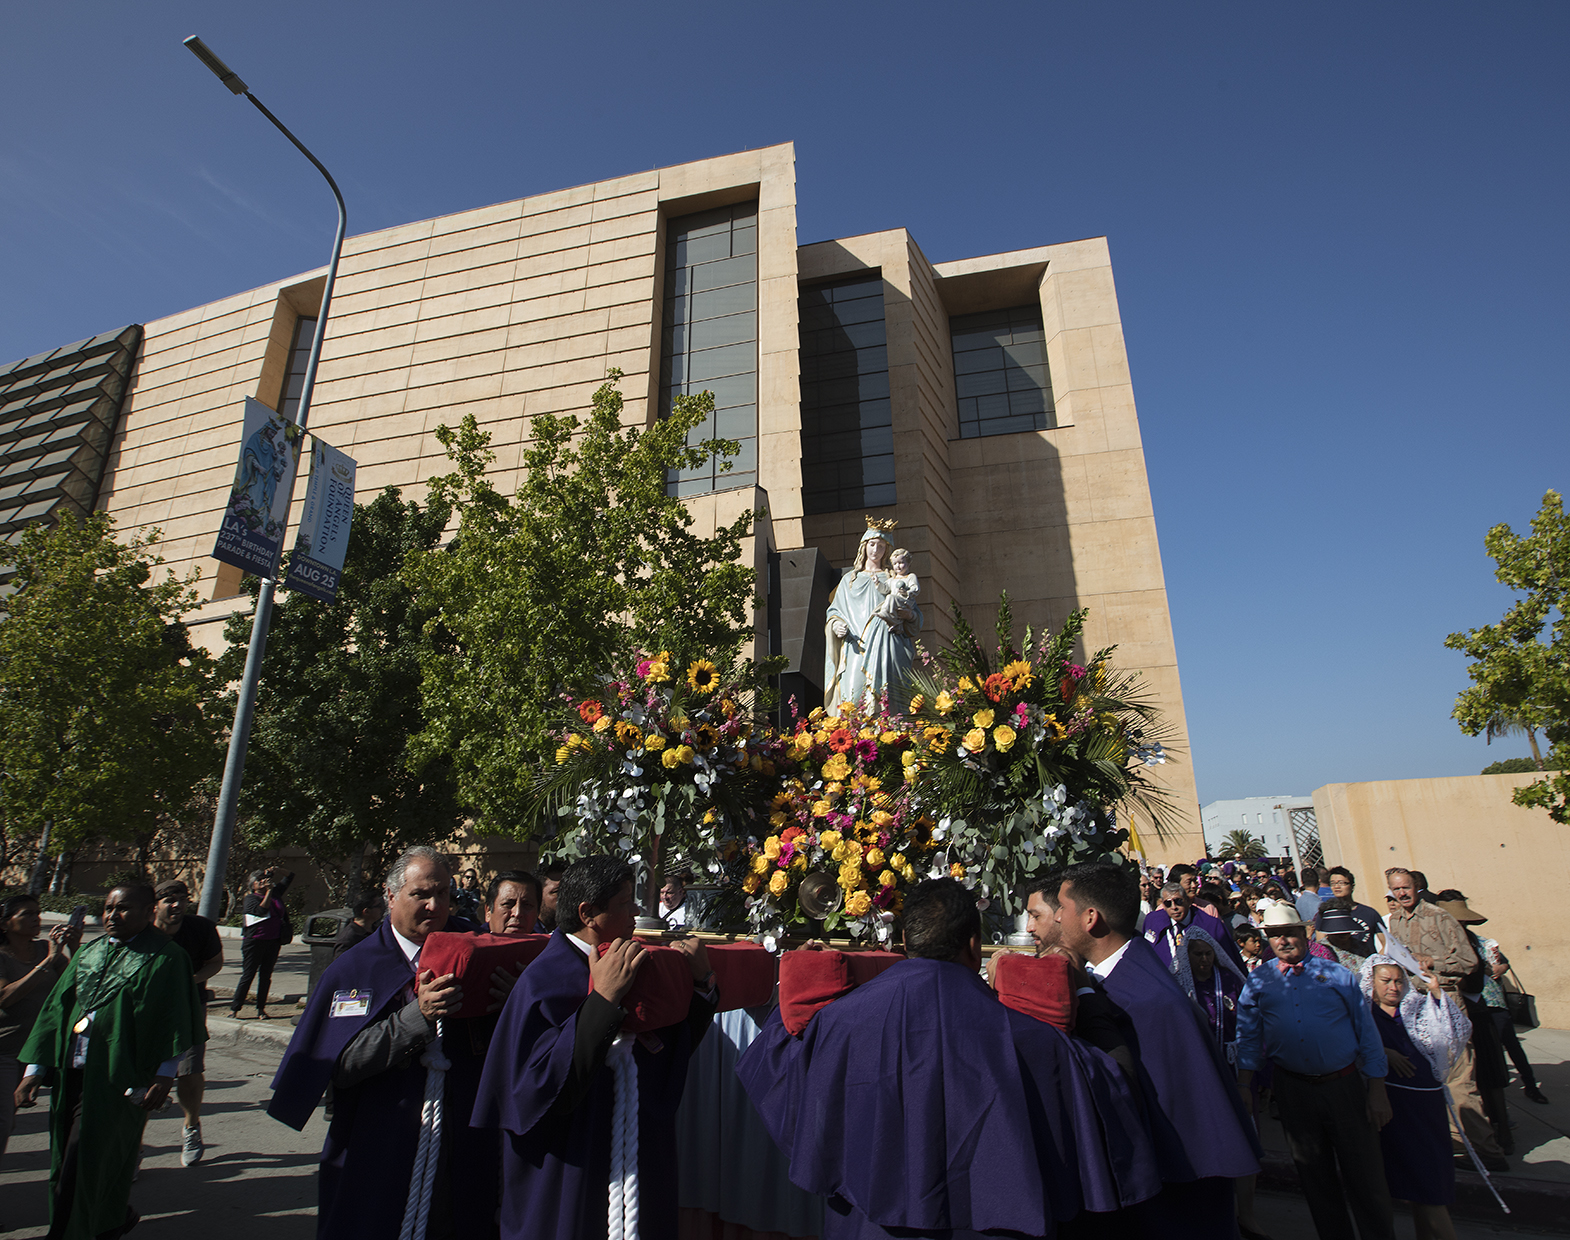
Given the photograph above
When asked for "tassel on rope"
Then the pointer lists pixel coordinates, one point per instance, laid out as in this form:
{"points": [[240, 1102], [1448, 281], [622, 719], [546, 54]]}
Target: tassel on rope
{"points": [[622, 1216], [1476, 1161], [427, 1155]]}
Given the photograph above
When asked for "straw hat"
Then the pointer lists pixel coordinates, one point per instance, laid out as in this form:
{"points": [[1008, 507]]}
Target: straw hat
{"points": [[1278, 916], [1459, 910]]}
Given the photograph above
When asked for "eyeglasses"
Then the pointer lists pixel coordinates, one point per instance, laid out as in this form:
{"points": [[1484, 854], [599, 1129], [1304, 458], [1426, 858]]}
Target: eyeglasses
{"points": [[1176, 902]]}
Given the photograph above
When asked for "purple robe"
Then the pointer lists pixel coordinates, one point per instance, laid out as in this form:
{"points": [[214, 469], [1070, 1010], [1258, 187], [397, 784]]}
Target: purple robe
{"points": [[556, 1165], [368, 1159], [1203, 1136], [1157, 923], [918, 1101]]}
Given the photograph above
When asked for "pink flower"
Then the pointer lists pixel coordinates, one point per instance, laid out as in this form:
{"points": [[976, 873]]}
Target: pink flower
{"points": [[867, 751], [643, 669]]}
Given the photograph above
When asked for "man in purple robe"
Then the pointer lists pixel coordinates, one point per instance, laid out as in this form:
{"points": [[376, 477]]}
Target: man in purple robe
{"points": [[369, 1022], [918, 1103], [1165, 926], [1203, 1137], [548, 1081]]}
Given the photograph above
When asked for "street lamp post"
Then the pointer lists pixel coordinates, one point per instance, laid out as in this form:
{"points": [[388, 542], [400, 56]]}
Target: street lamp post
{"points": [[245, 707]]}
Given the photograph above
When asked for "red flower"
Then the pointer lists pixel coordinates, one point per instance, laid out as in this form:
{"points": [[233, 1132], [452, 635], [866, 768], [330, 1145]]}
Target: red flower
{"points": [[590, 710], [1067, 688], [998, 686], [842, 741]]}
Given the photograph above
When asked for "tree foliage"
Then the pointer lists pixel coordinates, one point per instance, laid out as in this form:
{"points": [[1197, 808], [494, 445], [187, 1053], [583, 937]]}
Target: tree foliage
{"points": [[589, 563], [1241, 846], [1520, 681], [330, 767], [105, 706]]}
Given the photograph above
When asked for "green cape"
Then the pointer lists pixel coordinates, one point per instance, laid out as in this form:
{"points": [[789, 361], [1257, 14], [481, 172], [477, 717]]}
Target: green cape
{"points": [[147, 1013]]}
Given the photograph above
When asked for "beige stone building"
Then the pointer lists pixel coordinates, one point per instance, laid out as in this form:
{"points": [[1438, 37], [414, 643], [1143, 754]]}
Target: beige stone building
{"points": [[985, 403]]}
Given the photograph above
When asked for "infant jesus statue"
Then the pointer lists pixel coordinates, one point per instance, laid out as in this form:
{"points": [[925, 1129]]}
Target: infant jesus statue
{"points": [[901, 588]]}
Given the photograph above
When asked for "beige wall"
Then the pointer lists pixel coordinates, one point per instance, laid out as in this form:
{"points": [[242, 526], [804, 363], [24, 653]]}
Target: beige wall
{"points": [[1465, 832], [520, 308]]}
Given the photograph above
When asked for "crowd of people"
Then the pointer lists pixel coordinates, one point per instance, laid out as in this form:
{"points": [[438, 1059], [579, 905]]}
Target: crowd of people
{"points": [[1199, 998]]}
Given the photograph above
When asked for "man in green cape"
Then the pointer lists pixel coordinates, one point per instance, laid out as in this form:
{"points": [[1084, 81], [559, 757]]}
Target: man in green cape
{"points": [[108, 1040]]}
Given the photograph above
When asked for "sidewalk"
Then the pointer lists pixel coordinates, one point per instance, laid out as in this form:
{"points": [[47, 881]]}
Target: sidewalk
{"points": [[1537, 1186]]}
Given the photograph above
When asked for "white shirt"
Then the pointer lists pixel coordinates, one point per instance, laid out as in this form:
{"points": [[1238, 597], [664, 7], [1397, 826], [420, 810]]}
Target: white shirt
{"points": [[411, 949], [674, 917], [1104, 969]]}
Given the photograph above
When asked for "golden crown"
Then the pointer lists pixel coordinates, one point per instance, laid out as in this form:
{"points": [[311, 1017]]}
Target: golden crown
{"points": [[884, 526]]}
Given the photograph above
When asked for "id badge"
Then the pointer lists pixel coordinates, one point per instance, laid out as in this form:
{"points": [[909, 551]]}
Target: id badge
{"points": [[350, 1003]]}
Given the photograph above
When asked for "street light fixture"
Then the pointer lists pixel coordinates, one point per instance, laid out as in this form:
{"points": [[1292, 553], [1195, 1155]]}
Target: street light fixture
{"points": [[245, 707]]}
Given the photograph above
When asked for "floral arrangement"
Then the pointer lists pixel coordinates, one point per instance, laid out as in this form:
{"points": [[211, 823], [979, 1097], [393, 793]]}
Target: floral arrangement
{"points": [[667, 760], [1025, 760], [845, 812]]}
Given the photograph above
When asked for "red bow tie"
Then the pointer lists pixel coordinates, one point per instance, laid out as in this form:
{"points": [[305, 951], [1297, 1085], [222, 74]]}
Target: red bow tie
{"points": [[1293, 969]]}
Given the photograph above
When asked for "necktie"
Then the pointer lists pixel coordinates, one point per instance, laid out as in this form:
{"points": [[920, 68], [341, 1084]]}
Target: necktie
{"points": [[1293, 970]]}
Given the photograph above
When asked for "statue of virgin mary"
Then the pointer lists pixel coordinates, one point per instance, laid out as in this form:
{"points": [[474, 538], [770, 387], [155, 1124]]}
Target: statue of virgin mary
{"points": [[867, 656]]}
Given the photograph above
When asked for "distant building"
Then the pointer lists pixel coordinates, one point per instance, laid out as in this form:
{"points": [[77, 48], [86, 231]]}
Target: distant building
{"points": [[1265, 818]]}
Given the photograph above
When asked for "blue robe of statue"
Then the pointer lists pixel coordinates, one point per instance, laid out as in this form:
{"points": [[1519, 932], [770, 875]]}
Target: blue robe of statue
{"points": [[874, 658]]}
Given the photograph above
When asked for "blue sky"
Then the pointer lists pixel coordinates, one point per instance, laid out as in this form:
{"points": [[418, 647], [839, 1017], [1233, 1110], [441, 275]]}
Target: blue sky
{"points": [[1339, 235]]}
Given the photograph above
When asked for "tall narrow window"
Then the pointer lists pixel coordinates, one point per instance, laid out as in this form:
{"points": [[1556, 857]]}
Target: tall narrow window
{"points": [[1000, 372], [847, 427], [294, 377], [711, 336]]}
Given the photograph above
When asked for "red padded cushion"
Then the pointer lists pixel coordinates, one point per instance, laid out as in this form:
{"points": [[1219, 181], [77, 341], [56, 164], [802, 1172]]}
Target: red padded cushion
{"points": [[809, 981], [744, 973], [661, 992], [1038, 986], [864, 966], [473, 958]]}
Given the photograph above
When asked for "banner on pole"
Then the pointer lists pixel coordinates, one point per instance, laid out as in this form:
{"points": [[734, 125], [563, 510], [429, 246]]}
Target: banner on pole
{"points": [[251, 535], [323, 537]]}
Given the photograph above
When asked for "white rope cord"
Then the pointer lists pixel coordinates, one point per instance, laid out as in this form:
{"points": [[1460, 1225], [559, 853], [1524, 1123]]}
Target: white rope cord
{"points": [[622, 1217], [1476, 1161], [427, 1155]]}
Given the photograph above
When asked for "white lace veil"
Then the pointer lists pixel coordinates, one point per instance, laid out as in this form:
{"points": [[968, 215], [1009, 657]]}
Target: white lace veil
{"points": [[1185, 972], [1437, 1027]]}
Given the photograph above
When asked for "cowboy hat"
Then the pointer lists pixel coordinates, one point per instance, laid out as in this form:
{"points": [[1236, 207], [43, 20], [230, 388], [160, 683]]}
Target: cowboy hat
{"points": [[1278, 916]]}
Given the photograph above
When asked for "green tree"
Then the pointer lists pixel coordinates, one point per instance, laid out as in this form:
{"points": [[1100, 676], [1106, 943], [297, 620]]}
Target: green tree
{"points": [[591, 561], [106, 708], [329, 768], [1519, 680], [1241, 846]]}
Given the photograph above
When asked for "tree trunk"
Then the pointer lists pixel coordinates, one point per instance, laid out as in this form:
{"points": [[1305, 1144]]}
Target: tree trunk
{"points": [[35, 884], [1531, 739]]}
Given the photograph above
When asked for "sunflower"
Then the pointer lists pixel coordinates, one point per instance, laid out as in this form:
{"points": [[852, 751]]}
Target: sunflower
{"points": [[708, 735], [703, 676], [629, 734], [1020, 674]]}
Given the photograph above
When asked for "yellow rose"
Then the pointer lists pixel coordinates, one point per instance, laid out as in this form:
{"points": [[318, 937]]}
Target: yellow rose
{"points": [[778, 882], [684, 754], [603, 723], [760, 864], [820, 809], [917, 702], [889, 738], [897, 861], [908, 758], [975, 740], [654, 742], [777, 819], [771, 848], [909, 871], [751, 883], [858, 904], [967, 685], [839, 851], [945, 703], [874, 858], [912, 774], [1003, 737], [982, 718], [836, 767], [869, 734], [829, 839], [671, 759], [888, 878]]}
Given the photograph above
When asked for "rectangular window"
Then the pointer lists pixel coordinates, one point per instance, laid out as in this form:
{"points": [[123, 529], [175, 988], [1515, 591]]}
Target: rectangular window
{"points": [[847, 425], [294, 377], [711, 337], [1000, 372]]}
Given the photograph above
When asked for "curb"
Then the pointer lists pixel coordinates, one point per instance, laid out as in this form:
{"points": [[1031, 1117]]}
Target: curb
{"points": [[1543, 1204], [252, 1038]]}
